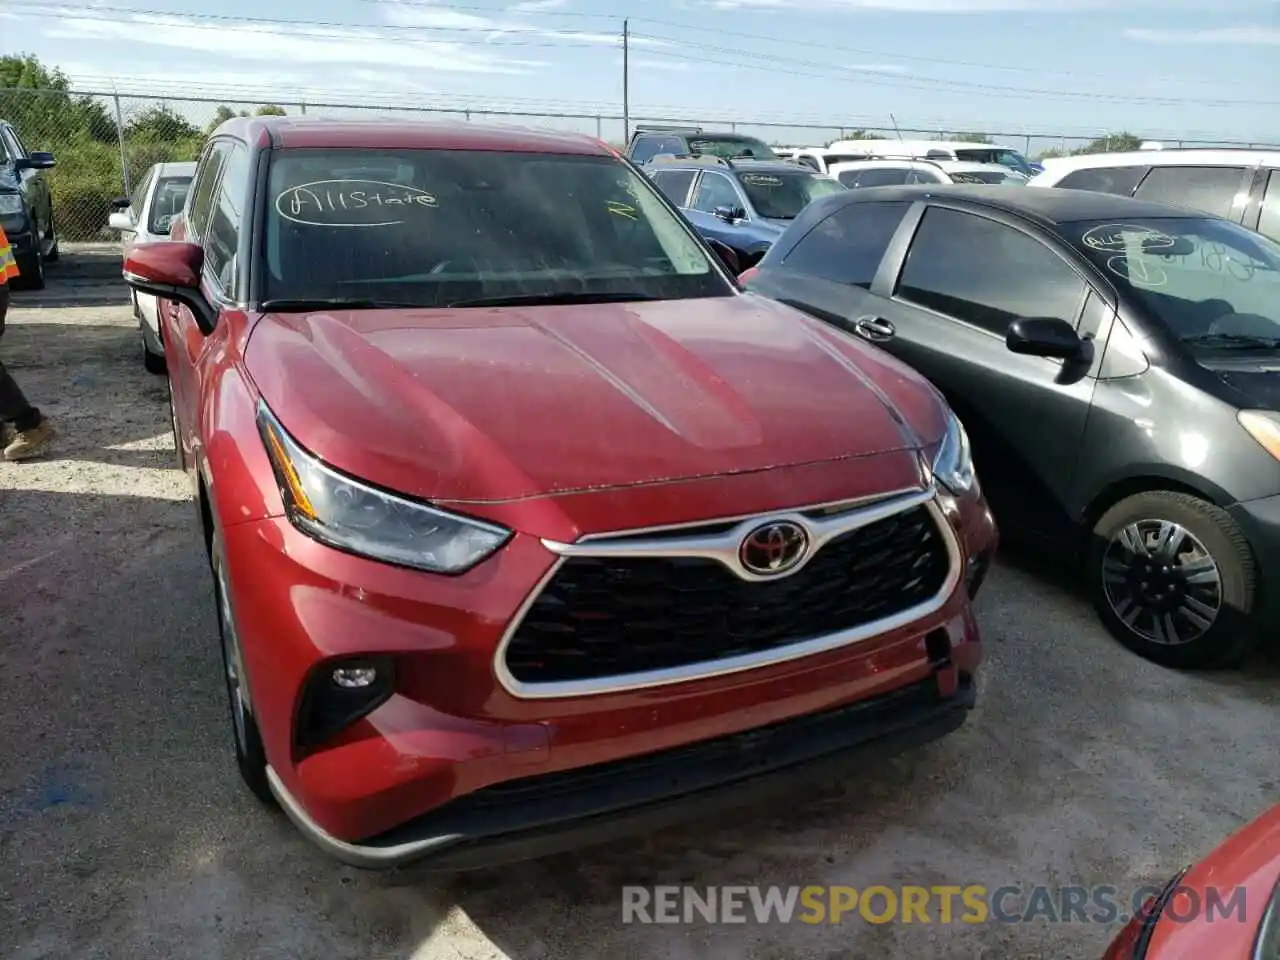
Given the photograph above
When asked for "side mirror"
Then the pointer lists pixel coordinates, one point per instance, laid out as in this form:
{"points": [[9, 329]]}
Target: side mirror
{"points": [[727, 256], [730, 214], [1045, 337], [119, 221], [120, 203], [171, 270], [36, 161]]}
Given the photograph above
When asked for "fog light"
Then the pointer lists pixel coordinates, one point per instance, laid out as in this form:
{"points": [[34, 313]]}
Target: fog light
{"points": [[340, 693], [355, 677]]}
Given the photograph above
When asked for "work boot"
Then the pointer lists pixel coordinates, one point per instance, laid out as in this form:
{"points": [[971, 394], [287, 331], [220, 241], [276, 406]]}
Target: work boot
{"points": [[30, 443]]}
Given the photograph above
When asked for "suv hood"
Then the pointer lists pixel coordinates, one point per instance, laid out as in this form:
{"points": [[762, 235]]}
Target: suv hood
{"points": [[488, 404]]}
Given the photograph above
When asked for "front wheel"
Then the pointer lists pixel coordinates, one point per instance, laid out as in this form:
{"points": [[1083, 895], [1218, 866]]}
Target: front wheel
{"points": [[1174, 580], [251, 757], [31, 272]]}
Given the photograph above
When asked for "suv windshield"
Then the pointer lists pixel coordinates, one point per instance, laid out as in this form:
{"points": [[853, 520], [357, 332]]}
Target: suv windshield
{"points": [[1009, 179], [778, 195], [171, 195], [730, 147], [1213, 283], [436, 227], [1006, 158]]}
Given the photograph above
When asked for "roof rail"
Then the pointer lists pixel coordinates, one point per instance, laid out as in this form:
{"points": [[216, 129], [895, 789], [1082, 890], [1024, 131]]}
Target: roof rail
{"points": [[668, 127], [1145, 148]]}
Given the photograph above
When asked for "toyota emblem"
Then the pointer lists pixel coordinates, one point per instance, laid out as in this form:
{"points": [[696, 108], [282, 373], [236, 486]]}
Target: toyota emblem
{"points": [[774, 548]]}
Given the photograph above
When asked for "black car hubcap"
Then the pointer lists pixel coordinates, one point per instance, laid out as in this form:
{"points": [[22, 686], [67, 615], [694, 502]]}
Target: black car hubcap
{"points": [[1162, 582]]}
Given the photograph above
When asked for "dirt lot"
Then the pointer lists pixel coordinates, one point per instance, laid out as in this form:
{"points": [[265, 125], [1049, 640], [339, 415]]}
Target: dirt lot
{"points": [[124, 832]]}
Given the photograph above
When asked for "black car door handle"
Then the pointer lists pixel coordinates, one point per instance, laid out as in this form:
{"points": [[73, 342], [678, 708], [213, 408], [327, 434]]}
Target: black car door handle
{"points": [[874, 328]]}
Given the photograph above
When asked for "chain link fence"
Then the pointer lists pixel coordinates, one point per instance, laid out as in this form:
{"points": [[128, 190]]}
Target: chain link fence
{"points": [[104, 143]]}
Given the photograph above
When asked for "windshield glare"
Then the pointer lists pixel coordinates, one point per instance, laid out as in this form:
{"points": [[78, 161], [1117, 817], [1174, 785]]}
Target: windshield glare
{"points": [[988, 176], [429, 227], [1212, 283], [1006, 158], [781, 196], [731, 148]]}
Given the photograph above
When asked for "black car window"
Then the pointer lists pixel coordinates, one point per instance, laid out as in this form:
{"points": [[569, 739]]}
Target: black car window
{"points": [[1117, 180], [205, 183], [10, 143], [730, 146], [675, 184], [986, 273], [1269, 221], [646, 148], [4, 149], [223, 240], [1209, 189], [715, 190], [880, 177], [847, 246]]}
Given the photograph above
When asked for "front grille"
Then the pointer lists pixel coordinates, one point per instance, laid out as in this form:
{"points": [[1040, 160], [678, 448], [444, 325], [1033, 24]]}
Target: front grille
{"points": [[611, 617]]}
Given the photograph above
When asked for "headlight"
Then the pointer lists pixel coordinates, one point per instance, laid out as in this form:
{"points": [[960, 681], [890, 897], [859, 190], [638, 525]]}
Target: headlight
{"points": [[10, 203], [953, 466], [345, 513], [1263, 426]]}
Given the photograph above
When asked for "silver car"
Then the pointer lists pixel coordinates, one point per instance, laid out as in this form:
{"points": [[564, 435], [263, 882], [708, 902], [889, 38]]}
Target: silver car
{"points": [[147, 216]]}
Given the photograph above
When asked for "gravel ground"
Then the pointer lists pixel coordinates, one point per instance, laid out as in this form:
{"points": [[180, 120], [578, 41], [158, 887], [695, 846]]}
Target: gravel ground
{"points": [[125, 834]]}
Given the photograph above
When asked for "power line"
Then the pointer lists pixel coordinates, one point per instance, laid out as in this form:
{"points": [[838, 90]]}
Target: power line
{"points": [[932, 84], [863, 52]]}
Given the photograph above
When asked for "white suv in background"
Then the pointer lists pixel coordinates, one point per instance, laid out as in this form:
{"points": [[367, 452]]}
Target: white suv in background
{"points": [[886, 173], [1238, 184]]}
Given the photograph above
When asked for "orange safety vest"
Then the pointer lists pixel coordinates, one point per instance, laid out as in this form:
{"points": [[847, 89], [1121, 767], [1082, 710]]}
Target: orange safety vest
{"points": [[8, 265]]}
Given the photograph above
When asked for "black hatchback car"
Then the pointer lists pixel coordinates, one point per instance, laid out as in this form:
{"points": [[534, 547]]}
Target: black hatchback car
{"points": [[1116, 364]]}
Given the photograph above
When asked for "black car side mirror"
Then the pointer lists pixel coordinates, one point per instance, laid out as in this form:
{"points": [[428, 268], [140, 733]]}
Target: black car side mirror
{"points": [[37, 161], [730, 214], [727, 256], [1045, 337], [120, 203]]}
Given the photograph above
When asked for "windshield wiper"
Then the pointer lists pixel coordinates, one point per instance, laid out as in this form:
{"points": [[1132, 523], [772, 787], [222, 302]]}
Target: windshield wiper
{"points": [[552, 298], [1240, 341], [290, 304]]}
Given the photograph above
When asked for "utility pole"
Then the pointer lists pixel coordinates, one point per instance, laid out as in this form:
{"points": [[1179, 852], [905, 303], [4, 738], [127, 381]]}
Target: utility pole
{"points": [[626, 81]]}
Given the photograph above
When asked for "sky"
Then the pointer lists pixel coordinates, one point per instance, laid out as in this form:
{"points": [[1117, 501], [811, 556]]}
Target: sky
{"points": [[1164, 69]]}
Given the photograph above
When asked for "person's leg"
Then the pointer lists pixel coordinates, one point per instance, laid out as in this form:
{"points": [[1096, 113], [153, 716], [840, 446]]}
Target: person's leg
{"points": [[32, 430]]}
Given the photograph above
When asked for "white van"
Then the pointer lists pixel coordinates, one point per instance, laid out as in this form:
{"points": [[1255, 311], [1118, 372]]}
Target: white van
{"points": [[936, 150], [819, 158]]}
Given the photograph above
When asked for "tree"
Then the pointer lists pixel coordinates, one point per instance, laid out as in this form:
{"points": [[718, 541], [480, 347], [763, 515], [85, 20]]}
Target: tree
{"points": [[1112, 143], [858, 135], [220, 116], [160, 123], [973, 138], [38, 102], [270, 110]]}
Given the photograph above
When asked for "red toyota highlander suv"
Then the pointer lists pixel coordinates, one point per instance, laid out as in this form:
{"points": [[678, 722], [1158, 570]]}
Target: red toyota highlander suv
{"points": [[528, 527]]}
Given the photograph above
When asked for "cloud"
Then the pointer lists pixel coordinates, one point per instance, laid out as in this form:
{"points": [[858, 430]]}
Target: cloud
{"points": [[440, 18], [539, 6], [672, 66], [299, 45], [1253, 36], [945, 6]]}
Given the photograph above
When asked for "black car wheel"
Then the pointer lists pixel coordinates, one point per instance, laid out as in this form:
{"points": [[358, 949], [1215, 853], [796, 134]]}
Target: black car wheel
{"points": [[1174, 580], [251, 758], [31, 271]]}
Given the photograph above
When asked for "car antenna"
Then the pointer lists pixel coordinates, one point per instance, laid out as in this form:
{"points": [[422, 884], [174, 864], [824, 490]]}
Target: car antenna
{"points": [[894, 121]]}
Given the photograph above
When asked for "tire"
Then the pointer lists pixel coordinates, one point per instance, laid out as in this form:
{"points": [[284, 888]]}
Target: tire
{"points": [[179, 459], [1185, 624], [31, 272], [55, 253], [251, 757], [152, 362]]}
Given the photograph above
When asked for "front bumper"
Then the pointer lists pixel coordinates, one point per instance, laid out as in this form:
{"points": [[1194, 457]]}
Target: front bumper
{"points": [[536, 816], [1260, 521], [450, 731]]}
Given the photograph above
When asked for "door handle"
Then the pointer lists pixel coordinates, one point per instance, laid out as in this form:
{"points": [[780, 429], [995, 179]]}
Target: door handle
{"points": [[874, 328]]}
